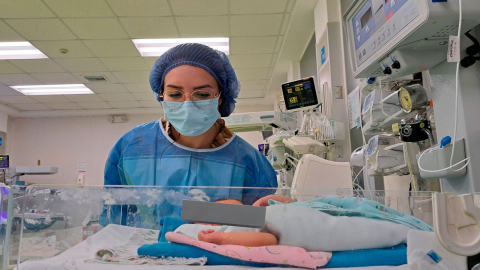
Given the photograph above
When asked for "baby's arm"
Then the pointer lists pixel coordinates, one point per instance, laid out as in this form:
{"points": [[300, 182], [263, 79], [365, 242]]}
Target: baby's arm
{"points": [[248, 239]]}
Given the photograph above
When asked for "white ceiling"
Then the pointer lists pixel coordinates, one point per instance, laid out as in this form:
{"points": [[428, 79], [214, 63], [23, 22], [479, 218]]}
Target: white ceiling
{"points": [[98, 33]]}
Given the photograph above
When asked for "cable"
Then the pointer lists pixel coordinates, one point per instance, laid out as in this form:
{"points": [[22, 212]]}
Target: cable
{"points": [[467, 160], [356, 178], [456, 86], [281, 112]]}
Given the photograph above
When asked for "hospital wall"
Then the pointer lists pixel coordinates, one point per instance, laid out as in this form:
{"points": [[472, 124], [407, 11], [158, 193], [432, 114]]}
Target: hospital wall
{"points": [[64, 141]]}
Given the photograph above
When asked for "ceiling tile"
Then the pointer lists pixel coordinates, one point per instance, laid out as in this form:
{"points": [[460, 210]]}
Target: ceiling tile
{"points": [[94, 105], [17, 99], [250, 60], [199, 7], [52, 48], [145, 96], [24, 9], [212, 26], [107, 88], [150, 104], [125, 63], [55, 78], [126, 104], [7, 91], [37, 65], [253, 85], [81, 64], [83, 8], [152, 27], [51, 98], [251, 94], [252, 74], [18, 79], [279, 44], [63, 106], [252, 45], [112, 48], [140, 8], [32, 107], [7, 68], [118, 97], [41, 29], [291, 4], [257, 7], [256, 25], [132, 76], [84, 98], [286, 20], [8, 34], [108, 75], [139, 87], [150, 61], [96, 28]]}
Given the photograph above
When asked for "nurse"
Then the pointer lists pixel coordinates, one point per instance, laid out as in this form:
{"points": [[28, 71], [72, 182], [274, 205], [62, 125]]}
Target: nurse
{"points": [[191, 146]]}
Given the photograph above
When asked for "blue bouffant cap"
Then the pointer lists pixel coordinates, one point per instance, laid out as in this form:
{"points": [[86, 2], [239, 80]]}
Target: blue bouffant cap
{"points": [[214, 62]]}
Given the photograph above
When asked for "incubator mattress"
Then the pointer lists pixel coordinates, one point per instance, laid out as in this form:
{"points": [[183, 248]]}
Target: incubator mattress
{"points": [[113, 235]]}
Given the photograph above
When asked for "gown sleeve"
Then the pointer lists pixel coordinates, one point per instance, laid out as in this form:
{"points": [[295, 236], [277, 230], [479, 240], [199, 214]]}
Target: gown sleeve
{"points": [[112, 178], [260, 175]]}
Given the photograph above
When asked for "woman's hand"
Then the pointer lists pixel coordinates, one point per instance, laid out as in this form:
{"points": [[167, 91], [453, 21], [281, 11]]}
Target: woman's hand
{"points": [[264, 201]]}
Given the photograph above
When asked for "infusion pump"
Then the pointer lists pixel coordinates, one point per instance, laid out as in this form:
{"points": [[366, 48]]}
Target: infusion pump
{"points": [[394, 38]]}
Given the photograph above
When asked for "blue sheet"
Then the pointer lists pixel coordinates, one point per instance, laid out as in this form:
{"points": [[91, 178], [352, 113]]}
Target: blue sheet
{"points": [[356, 258]]}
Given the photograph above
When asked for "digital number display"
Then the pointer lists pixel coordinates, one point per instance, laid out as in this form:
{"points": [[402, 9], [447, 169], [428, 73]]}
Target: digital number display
{"points": [[366, 17], [299, 94]]}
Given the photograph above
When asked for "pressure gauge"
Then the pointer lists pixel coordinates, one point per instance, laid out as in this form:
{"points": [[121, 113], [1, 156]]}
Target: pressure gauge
{"points": [[405, 100], [412, 97]]}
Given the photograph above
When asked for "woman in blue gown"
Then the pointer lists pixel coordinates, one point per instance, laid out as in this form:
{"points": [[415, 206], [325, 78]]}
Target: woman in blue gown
{"points": [[190, 146]]}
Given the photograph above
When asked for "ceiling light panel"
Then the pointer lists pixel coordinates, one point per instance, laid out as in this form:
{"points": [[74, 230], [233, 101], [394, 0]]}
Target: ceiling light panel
{"points": [[19, 50], [156, 47], [55, 89]]}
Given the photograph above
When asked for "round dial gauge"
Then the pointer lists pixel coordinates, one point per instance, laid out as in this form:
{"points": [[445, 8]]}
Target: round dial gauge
{"points": [[405, 100]]}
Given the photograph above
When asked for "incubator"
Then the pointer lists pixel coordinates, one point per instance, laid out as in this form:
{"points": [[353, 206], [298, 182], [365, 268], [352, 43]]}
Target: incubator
{"points": [[108, 227]]}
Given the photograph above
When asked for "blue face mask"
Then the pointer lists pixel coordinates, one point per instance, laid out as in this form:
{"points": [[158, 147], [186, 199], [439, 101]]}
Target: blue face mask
{"points": [[192, 120]]}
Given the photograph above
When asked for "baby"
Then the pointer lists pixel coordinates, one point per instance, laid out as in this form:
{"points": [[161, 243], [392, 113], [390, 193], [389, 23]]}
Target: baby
{"points": [[249, 239]]}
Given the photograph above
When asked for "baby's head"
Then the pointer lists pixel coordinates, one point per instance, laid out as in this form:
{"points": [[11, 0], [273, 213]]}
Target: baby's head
{"points": [[230, 202]]}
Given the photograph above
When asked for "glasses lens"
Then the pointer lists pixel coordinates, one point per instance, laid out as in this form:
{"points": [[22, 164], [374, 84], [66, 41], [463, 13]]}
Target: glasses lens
{"points": [[174, 95], [202, 99], [201, 95]]}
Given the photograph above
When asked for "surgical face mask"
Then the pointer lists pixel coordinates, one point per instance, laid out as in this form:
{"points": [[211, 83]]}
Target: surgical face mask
{"points": [[190, 119]]}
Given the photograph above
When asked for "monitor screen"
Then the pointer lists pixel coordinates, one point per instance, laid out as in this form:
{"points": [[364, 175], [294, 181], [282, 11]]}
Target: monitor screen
{"points": [[299, 94], [266, 134], [4, 161]]}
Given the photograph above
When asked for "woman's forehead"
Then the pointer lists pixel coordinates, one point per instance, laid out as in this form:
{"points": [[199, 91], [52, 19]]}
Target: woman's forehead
{"points": [[190, 75]]}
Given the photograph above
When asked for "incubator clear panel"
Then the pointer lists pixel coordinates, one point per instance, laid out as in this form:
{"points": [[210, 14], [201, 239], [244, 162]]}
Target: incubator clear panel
{"points": [[87, 227]]}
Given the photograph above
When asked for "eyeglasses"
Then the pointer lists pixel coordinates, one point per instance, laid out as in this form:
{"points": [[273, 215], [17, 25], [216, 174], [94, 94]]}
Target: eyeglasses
{"points": [[202, 99]]}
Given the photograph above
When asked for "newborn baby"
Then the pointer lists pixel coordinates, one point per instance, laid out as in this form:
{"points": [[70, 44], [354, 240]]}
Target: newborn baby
{"points": [[298, 225], [249, 239]]}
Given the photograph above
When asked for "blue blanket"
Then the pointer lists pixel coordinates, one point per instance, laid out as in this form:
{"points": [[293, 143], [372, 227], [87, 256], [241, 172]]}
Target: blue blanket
{"points": [[356, 258]]}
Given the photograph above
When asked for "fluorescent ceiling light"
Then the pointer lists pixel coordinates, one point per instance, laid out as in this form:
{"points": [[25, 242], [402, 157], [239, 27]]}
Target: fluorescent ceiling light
{"points": [[156, 47], [19, 50], [55, 89]]}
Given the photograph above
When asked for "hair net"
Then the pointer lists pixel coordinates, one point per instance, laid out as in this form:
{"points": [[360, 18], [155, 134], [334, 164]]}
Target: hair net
{"points": [[214, 62]]}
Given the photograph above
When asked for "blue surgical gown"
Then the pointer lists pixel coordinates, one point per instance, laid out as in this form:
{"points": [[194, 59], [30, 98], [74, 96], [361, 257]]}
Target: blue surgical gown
{"points": [[147, 156]]}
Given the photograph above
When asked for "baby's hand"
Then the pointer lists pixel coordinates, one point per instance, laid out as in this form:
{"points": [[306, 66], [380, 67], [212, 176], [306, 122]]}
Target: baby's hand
{"points": [[264, 201]]}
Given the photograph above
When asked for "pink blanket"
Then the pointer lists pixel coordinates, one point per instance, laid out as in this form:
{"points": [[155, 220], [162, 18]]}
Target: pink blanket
{"points": [[292, 256]]}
